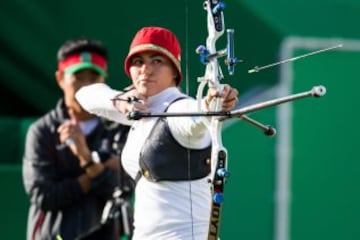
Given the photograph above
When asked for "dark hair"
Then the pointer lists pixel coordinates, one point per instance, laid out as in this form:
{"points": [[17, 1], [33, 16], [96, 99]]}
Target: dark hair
{"points": [[81, 45]]}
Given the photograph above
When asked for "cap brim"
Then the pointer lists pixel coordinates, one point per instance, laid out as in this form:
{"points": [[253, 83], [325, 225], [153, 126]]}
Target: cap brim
{"points": [[85, 65]]}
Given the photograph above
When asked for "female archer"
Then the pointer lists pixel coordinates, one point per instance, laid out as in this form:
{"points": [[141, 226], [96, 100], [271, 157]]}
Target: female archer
{"points": [[168, 157]]}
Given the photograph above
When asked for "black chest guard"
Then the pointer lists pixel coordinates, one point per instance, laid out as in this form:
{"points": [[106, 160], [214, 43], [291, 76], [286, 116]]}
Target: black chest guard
{"points": [[163, 158]]}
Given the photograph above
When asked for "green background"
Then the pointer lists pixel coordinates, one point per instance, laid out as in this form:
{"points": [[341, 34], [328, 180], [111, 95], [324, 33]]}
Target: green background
{"points": [[320, 135]]}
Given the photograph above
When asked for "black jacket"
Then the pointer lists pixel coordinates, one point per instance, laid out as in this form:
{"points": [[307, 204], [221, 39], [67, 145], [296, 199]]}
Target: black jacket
{"points": [[57, 204]]}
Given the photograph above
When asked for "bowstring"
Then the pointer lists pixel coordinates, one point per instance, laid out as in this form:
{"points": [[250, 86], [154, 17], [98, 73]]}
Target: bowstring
{"points": [[187, 91]]}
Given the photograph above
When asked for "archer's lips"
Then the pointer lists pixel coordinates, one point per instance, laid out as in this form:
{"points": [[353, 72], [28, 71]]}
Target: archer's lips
{"points": [[144, 80]]}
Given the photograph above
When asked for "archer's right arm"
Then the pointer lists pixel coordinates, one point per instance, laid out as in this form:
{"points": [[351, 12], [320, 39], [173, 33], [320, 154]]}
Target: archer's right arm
{"points": [[98, 99]]}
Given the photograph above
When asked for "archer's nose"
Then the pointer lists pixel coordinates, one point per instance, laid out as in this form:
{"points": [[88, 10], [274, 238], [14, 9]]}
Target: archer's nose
{"points": [[146, 68]]}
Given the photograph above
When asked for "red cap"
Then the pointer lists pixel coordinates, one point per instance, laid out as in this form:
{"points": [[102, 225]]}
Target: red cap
{"points": [[156, 39]]}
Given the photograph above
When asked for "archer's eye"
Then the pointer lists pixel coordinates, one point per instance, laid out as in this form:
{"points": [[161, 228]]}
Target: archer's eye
{"points": [[137, 61], [157, 60]]}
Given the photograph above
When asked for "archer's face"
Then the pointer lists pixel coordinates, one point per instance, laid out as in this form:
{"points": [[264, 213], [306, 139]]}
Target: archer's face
{"points": [[151, 73]]}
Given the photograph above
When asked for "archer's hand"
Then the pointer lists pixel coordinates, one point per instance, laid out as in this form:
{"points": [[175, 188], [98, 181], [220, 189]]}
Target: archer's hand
{"points": [[228, 97], [129, 102]]}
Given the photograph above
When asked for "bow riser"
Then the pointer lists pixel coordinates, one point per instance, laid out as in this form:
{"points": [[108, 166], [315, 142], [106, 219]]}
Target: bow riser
{"points": [[212, 76]]}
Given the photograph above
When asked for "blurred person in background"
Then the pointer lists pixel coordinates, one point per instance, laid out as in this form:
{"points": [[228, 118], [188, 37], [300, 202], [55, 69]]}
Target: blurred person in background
{"points": [[71, 167]]}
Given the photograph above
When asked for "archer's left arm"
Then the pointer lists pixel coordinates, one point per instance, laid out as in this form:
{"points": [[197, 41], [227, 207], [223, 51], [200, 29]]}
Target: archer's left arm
{"points": [[193, 131]]}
